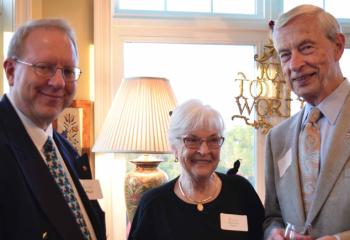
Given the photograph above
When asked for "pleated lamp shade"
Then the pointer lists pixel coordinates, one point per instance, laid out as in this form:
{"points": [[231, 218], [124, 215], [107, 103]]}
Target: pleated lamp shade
{"points": [[138, 119]]}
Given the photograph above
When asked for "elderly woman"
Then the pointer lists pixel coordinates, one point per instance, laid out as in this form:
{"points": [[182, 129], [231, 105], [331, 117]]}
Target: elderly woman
{"points": [[199, 204]]}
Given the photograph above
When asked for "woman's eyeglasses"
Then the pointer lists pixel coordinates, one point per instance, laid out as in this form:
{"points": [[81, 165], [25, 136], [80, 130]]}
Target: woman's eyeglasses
{"points": [[195, 142]]}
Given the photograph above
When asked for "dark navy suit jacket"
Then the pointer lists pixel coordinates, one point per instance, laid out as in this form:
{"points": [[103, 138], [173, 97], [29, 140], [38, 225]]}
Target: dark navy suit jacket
{"points": [[31, 205]]}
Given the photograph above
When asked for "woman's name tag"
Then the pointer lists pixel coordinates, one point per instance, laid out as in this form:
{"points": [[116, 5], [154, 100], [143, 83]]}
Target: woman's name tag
{"points": [[233, 222]]}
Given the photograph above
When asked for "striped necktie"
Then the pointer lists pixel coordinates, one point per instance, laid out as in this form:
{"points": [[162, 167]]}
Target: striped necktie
{"points": [[309, 156], [59, 174]]}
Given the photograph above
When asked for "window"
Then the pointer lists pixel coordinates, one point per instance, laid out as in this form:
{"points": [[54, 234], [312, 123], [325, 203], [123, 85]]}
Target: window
{"points": [[6, 41], [206, 7], [289, 4], [155, 5], [6, 28], [152, 22], [205, 72], [344, 62], [336, 7]]}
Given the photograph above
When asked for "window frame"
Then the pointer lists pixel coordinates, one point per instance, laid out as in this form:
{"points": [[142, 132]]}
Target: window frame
{"points": [[109, 73], [196, 30], [117, 12], [188, 31], [111, 32]]}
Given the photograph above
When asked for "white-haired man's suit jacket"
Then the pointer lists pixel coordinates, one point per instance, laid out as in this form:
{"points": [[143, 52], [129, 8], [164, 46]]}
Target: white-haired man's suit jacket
{"points": [[330, 211]]}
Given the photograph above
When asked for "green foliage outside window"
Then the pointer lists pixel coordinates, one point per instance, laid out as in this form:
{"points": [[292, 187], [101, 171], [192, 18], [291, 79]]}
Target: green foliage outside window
{"points": [[239, 144]]}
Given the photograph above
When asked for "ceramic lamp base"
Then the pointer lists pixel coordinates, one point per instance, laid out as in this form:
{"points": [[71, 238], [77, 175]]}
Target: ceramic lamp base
{"points": [[145, 176]]}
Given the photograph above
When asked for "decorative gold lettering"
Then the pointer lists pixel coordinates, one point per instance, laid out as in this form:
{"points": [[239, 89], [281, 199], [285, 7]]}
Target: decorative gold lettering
{"points": [[269, 94], [245, 105]]}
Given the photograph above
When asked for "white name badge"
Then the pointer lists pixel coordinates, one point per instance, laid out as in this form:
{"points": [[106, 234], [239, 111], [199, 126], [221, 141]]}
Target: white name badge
{"points": [[92, 188], [234, 222]]}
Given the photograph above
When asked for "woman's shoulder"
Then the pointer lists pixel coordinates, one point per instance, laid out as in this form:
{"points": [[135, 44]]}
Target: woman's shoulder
{"points": [[158, 194], [239, 187], [237, 183], [233, 179]]}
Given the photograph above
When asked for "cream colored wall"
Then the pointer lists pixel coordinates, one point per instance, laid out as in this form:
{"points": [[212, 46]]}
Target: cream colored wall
{"points": [[36, 9], [79, 13]]}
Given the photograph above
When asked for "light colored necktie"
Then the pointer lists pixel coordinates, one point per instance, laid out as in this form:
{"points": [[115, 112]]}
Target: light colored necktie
{"points": [[309, 156], [58, 173]]}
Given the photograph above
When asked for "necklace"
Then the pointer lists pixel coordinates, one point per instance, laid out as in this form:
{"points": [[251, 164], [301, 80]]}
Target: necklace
{"points": [[200, 203]]}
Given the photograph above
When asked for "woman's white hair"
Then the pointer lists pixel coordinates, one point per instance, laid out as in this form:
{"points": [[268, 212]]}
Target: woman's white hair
{"points": [[193, 115]]}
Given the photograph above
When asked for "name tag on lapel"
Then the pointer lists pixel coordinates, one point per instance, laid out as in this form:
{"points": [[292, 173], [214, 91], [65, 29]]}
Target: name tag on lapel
{"points": [[233, 222], [92, 188], [284, 162]]}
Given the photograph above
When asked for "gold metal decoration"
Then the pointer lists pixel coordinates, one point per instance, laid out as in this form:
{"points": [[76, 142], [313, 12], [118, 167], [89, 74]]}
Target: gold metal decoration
{"points": [[268, 94]]}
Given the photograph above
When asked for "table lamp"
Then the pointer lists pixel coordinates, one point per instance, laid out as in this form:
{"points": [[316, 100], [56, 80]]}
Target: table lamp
{"points": [[138, 122]]}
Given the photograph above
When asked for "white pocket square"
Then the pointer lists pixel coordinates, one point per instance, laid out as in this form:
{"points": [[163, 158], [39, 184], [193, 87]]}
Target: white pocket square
{"points": [[285, 162]]}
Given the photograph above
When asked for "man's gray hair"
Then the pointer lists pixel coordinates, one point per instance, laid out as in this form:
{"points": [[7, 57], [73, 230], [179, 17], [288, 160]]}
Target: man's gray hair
{"points": [[16, 46], [327, 21]]}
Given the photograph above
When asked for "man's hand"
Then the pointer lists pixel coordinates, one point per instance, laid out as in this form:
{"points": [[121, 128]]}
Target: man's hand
{"points": [[302, 237], [276, 234], [327, 238]]}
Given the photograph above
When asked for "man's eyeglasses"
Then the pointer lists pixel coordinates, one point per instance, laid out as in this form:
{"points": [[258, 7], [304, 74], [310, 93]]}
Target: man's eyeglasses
{"points": [[195, 142], [69, 74]]}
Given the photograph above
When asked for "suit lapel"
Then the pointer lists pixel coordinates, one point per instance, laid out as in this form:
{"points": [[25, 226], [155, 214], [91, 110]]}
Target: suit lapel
{"points": [[70, 160], [337, 156], [38, 177], [295, 192]]}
